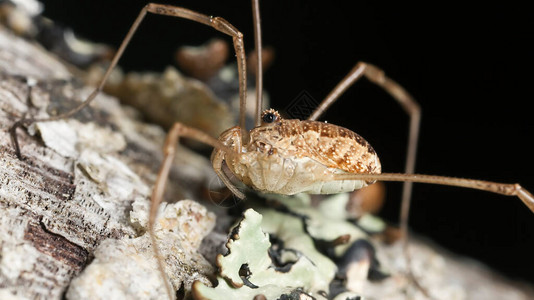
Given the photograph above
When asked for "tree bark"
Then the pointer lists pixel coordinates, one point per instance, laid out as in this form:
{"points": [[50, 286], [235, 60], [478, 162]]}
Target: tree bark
{"points": [[77, 179]]}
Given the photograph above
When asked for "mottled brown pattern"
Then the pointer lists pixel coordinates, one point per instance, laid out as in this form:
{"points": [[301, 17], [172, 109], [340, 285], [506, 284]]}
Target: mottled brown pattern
{"points": [[329, 144]]}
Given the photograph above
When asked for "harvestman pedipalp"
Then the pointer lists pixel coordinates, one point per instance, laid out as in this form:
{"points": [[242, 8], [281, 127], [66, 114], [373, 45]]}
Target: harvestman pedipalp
{"points": [[314, 157]]}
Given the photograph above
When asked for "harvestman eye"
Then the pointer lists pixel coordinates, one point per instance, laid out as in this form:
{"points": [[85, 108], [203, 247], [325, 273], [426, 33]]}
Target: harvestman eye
{"points": [[269, 118]]}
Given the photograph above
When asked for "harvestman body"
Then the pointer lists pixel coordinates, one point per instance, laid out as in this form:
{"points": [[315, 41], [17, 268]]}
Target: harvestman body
{"points": [[288, 156], [292, 156]]}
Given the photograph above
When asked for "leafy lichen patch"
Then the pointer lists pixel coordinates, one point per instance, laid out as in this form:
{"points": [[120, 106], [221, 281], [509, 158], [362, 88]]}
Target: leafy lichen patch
{"points": [[248, 246]]}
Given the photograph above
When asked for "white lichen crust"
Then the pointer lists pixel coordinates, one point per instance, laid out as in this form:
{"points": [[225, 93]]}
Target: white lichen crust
{"points": [[77, 180], [127, 269]]}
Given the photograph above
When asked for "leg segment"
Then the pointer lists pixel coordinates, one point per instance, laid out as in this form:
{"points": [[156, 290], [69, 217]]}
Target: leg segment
{"points": [[217, 23], [259, 67], [169, 149], [494, 187], [409, 105], [489, 186], [232, 137], [217, 161]]}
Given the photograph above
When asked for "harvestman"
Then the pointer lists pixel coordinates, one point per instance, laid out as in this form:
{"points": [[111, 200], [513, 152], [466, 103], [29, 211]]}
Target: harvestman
{"points": [[309, 156]]}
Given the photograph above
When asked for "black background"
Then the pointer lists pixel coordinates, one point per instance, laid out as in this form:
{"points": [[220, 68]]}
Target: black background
{"points": [[469, 66]]}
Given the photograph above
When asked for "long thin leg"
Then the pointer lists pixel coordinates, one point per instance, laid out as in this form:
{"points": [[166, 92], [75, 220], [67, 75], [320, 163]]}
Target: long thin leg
{"points": [[169, 149], [408, 103], [178, 130], [217, 23], [507, 189], [259, 67], [494, 187]]}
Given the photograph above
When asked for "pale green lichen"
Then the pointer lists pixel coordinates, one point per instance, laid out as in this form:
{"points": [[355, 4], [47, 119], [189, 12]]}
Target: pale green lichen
{"points": [[290, 230], [248, 246], [328, 220], [294, 266]]}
